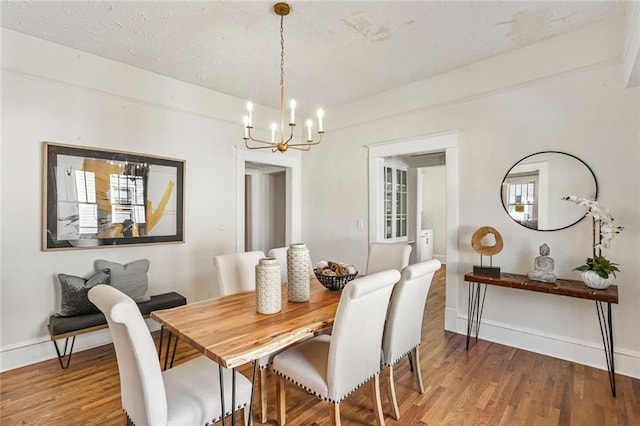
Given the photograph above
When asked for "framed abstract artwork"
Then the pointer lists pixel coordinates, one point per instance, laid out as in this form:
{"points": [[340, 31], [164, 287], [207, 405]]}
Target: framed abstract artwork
{"points": [[95, 197]]}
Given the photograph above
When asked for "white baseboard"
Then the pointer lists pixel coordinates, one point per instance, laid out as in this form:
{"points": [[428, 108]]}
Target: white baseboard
{"points": [[451, 320], [40, 350], [589, 353]]}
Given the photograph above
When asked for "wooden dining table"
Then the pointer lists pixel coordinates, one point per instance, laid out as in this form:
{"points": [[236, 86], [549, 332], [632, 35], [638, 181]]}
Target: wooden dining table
{"points": [[229, 331]]}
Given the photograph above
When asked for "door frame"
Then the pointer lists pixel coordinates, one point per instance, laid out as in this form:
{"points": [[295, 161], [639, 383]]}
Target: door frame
{"points": [[447, 142], [293, 169]]}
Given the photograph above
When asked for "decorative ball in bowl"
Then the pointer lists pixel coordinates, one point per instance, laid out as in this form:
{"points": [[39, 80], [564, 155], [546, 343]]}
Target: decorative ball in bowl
{"points": [[334, 275]]}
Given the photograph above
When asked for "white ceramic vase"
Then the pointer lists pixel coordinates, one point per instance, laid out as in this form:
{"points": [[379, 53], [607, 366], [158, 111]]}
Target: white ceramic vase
{"points": [[268, 286], [593, 280], [298, 273]]}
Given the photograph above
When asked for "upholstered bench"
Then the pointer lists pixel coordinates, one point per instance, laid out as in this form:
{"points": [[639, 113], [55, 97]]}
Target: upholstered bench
{"points": [[70, 327]]}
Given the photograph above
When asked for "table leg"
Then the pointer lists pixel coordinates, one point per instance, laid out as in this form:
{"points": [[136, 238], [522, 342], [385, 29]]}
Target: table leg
{"points": [[474, 309], [253, 386], [166, 352], [233, 396], [606, 330], [224, 412]]}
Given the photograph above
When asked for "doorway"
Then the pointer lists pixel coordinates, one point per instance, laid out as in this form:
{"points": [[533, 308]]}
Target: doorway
{"points": [[447, 143], [284, 177], [431, 206], [265, 214]]}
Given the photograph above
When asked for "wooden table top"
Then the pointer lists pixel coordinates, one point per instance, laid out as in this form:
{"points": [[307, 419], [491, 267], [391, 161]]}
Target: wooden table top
{"points": [[229, 331], [571, 288]]}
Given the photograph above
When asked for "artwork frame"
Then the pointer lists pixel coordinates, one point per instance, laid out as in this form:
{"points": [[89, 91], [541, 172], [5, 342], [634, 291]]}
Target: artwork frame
{"points": [[96, 198]]}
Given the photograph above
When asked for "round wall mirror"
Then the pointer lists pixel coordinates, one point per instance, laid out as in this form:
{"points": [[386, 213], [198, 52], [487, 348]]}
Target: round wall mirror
{"points": [[533, 188]]}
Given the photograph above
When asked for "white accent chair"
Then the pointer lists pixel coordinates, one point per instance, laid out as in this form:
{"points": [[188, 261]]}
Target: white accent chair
{"points": [[383, 256], [403, 329], [332, 366], [188, 394], [280, 253], [236, 273]]}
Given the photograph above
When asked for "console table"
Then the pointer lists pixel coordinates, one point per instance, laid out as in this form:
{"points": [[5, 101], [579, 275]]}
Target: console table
{"points": [[571, 288]]}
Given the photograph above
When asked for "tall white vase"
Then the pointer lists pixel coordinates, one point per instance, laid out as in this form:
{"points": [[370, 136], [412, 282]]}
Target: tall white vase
{"points": [[298, 273], [268, 286]]}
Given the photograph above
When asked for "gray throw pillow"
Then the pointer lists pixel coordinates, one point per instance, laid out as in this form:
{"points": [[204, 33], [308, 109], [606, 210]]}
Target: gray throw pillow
{"points": [[131, 279], [74, 300]]}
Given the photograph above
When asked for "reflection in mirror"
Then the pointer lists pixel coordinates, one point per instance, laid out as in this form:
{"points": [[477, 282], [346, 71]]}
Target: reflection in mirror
{"points": [[533, 188]]}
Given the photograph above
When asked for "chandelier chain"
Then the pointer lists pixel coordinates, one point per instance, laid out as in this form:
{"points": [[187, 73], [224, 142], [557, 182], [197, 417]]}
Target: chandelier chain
{"points": [[282, 51]]}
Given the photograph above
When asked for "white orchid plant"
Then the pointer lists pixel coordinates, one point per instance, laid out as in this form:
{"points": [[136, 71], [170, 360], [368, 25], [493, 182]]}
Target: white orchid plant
{"points": [[604, 231]]}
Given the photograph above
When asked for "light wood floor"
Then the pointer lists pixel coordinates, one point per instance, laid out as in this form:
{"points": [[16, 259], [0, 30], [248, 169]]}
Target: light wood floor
{"points": [[489, 385]]}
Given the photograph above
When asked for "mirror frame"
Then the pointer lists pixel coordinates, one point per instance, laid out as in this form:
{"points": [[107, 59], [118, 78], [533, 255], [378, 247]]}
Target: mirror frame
{"points": [[502, 201], [167, 203]]}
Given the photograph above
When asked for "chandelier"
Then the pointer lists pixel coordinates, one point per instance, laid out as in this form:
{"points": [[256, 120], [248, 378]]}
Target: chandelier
{"points": [[282, 9]]}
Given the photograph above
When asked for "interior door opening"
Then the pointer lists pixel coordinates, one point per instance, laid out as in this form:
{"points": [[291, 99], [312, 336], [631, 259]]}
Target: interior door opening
{"points": [[445, 145], [265, 212]]}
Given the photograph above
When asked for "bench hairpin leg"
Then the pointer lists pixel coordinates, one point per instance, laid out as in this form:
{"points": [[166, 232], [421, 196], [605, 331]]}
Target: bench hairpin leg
{"points": [[166, 352], [160, 343], [64, 354]]}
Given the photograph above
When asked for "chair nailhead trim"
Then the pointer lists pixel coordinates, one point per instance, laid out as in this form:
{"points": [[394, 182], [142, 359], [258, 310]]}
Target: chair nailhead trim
{"points": [[300, 385], [217, 419], [263, 367]]}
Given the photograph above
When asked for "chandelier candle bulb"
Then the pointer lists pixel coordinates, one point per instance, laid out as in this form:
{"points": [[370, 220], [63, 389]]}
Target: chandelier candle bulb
{"points": [[309, 125], [273, 132], [250, 109], [320, 115], [292, 105], [246, 127]]}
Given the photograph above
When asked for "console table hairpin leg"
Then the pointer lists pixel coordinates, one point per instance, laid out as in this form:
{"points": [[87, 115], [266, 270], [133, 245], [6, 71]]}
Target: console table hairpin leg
{"points": [[606, 329], [475, 308]]}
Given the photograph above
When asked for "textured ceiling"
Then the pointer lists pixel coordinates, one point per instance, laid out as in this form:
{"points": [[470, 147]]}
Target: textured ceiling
{"points": [[335, 52]]}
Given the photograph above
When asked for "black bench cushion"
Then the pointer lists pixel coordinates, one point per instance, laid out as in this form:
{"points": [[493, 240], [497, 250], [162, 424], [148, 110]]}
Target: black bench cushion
{"points": [[63, 325]]}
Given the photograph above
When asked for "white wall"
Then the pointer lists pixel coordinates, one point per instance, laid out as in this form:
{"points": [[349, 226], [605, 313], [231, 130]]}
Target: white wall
{"points": [[53, 93], [565, 94], [434, 208]]}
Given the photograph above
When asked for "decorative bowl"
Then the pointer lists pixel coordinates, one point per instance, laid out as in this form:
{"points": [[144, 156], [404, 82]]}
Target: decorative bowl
{"points": [[334, 282]]}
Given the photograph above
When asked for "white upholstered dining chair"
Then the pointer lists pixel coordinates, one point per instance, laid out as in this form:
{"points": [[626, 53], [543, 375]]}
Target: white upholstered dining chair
{"points": [[236, 273], [403, 329], [280, 253], [332, 366], [383, 256], [188, 394]]}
